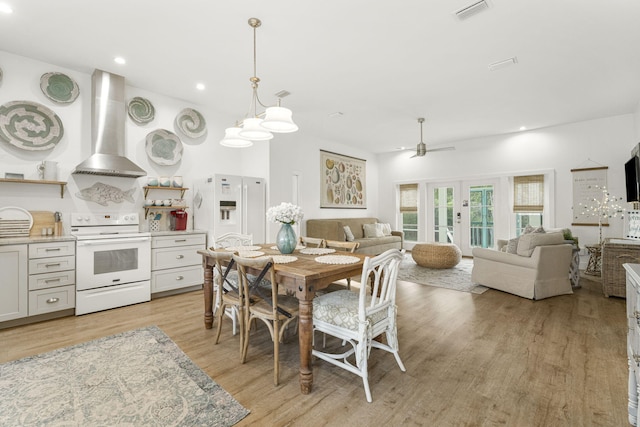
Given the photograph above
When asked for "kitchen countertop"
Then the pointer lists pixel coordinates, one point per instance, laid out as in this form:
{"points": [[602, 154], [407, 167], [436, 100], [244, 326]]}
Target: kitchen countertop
{"points": [[176, 233], [35, 239]]}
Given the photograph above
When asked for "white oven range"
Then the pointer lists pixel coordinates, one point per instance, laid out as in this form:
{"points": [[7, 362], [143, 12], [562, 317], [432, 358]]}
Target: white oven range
{"points": [[113, 261]]}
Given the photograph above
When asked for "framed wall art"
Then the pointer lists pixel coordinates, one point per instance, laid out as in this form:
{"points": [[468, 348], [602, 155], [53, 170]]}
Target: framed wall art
{"points": [[588, 185], [342, 181]]}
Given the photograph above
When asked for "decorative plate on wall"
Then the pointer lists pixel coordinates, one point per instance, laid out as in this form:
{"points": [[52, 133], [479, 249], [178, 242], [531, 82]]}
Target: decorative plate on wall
{"points": [[30, 126], [59, 88], [141, 110], [164, 147], [191, 123]]}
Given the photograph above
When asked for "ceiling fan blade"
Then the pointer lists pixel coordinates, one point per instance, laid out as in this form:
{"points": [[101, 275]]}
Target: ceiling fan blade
{"points": [[440, 149]]}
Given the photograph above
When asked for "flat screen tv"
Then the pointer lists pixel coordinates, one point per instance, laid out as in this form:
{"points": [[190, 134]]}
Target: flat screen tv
{"points": [[631, 172]]}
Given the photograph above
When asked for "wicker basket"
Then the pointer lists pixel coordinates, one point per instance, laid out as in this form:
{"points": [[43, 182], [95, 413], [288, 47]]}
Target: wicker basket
{"points": [[613, 273]]}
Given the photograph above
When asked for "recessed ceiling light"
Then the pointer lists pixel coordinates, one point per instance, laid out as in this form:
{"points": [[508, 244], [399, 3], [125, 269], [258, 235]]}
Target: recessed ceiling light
{"points": [[5, 8], [200, 86], [523, 128], [119, 60]]}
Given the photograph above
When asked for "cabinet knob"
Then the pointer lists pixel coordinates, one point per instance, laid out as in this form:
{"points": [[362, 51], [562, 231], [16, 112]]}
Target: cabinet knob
{"points": [[52, 300], [180, 278], [57, 264], [179, 256]]}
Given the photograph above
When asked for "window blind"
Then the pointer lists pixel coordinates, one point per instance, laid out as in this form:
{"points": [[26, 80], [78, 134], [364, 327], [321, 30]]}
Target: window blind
{"points": [[408, 197], [528, 193]]}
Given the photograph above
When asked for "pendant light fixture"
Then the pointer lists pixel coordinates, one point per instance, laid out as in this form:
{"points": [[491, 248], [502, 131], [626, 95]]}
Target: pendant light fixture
{"points": [[257, 126]]}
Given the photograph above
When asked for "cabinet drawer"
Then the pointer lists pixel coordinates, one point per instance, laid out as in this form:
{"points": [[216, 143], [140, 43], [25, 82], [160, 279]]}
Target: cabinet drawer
{"points": [[48, 265], [44, 250], [175, 257], [175, 278], [54, 299], [51, 280], [181, 240]]}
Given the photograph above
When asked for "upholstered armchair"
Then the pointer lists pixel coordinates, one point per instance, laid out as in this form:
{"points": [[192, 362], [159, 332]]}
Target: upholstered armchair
{"points": [[537, 268]]}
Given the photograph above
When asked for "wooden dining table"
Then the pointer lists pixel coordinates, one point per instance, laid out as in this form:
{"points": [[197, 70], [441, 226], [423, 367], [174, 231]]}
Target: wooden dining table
{"points": [[302, 277]]}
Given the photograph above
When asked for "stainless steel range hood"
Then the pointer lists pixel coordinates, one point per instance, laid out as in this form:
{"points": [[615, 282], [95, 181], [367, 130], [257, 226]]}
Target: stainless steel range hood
{"points": [[108, 115]]}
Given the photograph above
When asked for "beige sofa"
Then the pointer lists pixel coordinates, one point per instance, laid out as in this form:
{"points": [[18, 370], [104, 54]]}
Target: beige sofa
{"points": [[333, 229], [539, 268]]}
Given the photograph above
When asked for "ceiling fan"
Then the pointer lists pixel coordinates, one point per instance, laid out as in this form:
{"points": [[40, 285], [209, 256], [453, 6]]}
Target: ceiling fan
{"points": [[421, 148]]}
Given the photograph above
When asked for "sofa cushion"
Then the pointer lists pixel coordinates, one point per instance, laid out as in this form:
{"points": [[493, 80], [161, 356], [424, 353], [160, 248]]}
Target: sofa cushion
{"points": [[348, 234], [371, 230], [528, 242], [385, 228]]}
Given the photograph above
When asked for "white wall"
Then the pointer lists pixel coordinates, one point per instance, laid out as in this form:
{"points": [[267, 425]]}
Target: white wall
{"points": [[201, 158], [299, 153], [606, 141]]}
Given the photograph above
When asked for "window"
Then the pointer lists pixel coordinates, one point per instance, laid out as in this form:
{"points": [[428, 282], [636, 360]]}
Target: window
{"points": [[528, 201], [481, 209], [409, 211]]}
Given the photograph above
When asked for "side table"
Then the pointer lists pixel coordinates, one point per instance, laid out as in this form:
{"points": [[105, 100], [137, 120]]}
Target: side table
{"points": [[594, 265]]}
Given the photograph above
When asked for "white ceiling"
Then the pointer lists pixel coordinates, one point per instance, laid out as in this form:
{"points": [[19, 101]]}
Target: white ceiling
{"points": [[382, 64]]}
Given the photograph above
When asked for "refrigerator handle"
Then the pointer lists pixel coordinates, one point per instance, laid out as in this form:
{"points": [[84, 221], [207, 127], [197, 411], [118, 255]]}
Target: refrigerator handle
{"points": [[243, 208]]}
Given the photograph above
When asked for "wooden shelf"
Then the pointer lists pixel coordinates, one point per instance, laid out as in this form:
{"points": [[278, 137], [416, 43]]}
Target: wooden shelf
{"points": [[181, 189], [37, 181], [152, 208]]}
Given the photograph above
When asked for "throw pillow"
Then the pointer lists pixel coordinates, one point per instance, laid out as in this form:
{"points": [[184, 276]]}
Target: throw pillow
{"points": [[371, 230], [528, 242], [512, 245], [348, 234], [385, 228], [529, 229]]}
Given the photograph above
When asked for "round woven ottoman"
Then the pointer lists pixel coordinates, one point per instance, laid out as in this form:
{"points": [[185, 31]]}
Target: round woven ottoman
{"points": [[436, 255]]}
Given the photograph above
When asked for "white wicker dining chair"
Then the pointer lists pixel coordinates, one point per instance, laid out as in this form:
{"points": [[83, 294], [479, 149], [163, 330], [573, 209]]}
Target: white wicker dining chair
{"points": [[358, 318], [232, 240]]}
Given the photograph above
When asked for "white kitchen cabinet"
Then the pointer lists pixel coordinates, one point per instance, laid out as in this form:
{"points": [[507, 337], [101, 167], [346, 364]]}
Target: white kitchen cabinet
{"points": [[633, 338], [14, 284], [175, 262], [52, 277]]}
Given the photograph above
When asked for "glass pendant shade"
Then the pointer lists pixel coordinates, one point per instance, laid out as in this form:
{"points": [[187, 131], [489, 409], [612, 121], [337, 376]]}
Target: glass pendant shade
{"points": [[252, 129], [278, 119], [233, 139]]}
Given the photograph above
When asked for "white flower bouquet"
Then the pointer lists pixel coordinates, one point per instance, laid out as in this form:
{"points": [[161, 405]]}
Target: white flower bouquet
{"points": [[285, 213]]}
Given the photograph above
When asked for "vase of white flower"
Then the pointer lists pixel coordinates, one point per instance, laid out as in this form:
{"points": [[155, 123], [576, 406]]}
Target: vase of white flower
{"points": [[287, 214], [286, 239]]}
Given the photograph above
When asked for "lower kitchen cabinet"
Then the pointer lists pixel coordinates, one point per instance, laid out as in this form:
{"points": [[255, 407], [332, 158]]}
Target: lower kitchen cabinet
{"points": [[175, 262], [14, 283], [52, 277]]}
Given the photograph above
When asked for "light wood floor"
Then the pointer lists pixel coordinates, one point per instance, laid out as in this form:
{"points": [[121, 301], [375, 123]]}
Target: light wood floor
{"points": [[472, 360]]}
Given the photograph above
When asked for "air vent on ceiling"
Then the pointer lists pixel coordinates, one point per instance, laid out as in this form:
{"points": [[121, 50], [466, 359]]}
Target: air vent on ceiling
{"points": [[472, 9], [502, 64], [283, 93]]}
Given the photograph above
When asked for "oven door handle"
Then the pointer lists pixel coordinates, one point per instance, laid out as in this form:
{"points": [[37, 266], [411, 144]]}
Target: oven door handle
{"points": [[100, 242]]}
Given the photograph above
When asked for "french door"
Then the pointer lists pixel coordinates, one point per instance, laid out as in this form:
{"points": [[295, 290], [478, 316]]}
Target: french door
{"points": [[462, 212]]}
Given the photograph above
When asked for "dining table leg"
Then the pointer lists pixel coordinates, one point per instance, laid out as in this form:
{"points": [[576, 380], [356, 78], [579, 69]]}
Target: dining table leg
{"points": [[305, 335], [208, 295]]}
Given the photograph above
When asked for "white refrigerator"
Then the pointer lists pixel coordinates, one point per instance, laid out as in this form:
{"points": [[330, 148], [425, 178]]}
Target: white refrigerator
{"points": [[229, 203]]}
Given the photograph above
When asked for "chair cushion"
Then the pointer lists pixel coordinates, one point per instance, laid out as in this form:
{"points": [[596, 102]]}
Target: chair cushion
{"points": [[340, 308]]}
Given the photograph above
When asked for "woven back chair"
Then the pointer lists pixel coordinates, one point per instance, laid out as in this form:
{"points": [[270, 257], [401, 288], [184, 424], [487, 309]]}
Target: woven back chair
{"points": [[341, 246], [228, 294], [311, 242], [275, 310]]}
